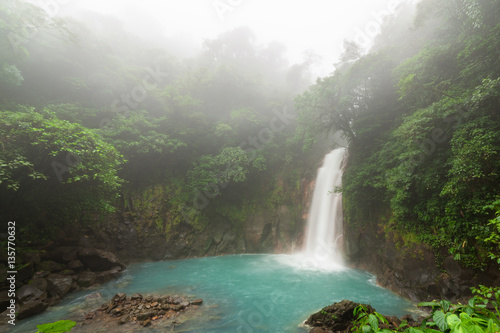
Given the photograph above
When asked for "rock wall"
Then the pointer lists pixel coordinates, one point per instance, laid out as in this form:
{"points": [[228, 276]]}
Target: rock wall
{"points": [[265, 231], [410, 268]]}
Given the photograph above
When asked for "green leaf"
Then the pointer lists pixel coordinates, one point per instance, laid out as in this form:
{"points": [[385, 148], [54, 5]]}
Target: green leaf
{"points": [[60, 326], [440, 319], [445, 305], [373, 321], [381, 318], [366, 329], [453, 321], [431, 304]]}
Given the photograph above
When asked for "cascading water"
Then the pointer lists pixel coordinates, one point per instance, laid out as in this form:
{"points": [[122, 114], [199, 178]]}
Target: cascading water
{"points": [[324, 224]]}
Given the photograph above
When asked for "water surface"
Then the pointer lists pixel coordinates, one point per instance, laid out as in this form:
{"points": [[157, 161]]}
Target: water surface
{"points": [[241, 293]]}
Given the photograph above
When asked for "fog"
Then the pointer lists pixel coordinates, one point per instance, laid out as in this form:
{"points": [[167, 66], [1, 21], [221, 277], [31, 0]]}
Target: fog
{"points": [[304, 27]]}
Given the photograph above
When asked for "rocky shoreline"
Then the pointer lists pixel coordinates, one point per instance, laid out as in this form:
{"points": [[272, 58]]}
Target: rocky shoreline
{"points": [[48, 276], [142, 311]]}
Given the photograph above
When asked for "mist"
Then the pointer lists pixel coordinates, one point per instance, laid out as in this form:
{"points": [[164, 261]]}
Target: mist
{"points": [[144, 146], [317, 26]]}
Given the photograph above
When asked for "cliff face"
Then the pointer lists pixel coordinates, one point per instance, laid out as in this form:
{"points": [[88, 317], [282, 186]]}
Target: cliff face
{"points": [[410, 268], [143, 231]]}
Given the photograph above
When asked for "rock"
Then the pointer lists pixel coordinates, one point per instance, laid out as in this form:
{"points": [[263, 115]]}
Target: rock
{"points": [[146, 323], [118, 298], [117, 312], [39, 283], [67, 272], [145, 315], [25, 272], [33, 257], [197, 302], [59, 285], [336, 317], [139, 309], [4, 299], [31, 308], [61, 254], [136, 296], [99, 260], [50, 266], [75, 265], [69, 254], [28, 293], [320, 330], [106, 276], [93, 296], [86, 279]]}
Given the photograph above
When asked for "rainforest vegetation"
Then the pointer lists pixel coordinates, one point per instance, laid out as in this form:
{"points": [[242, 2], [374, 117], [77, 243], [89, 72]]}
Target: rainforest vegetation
{"points": [[421, 113], [92, 113]]}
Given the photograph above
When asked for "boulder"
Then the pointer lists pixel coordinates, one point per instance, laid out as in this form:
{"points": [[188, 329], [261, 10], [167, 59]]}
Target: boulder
{"points": [[50, 266], [336, 317], [75, 265], [59, 285], [99, 260], [61, 254], [106, 276], [86, 279], [28, 293], [136, 296], [4, 299], [40, 283], [31, 308], [25, 272]]}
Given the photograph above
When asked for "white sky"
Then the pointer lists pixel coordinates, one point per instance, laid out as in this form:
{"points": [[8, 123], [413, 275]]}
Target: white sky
{"points": [[318, 25]]}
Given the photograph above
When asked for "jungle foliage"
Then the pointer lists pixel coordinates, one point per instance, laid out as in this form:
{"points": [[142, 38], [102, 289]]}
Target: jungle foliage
{"points": [[420, 111]]}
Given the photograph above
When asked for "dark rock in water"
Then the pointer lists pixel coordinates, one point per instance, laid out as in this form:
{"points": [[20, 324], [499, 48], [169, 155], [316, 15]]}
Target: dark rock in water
{"points": [[108, 275], [336, 317], [197, 302], [95, 295], [99, 260]]}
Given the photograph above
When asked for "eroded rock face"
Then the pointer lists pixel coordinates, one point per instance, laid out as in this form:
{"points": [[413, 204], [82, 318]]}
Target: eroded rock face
{"points": [[413, 269]]}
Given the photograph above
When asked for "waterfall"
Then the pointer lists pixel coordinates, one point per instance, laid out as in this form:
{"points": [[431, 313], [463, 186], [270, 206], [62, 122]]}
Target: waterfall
{"points": [[324, 224]]}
